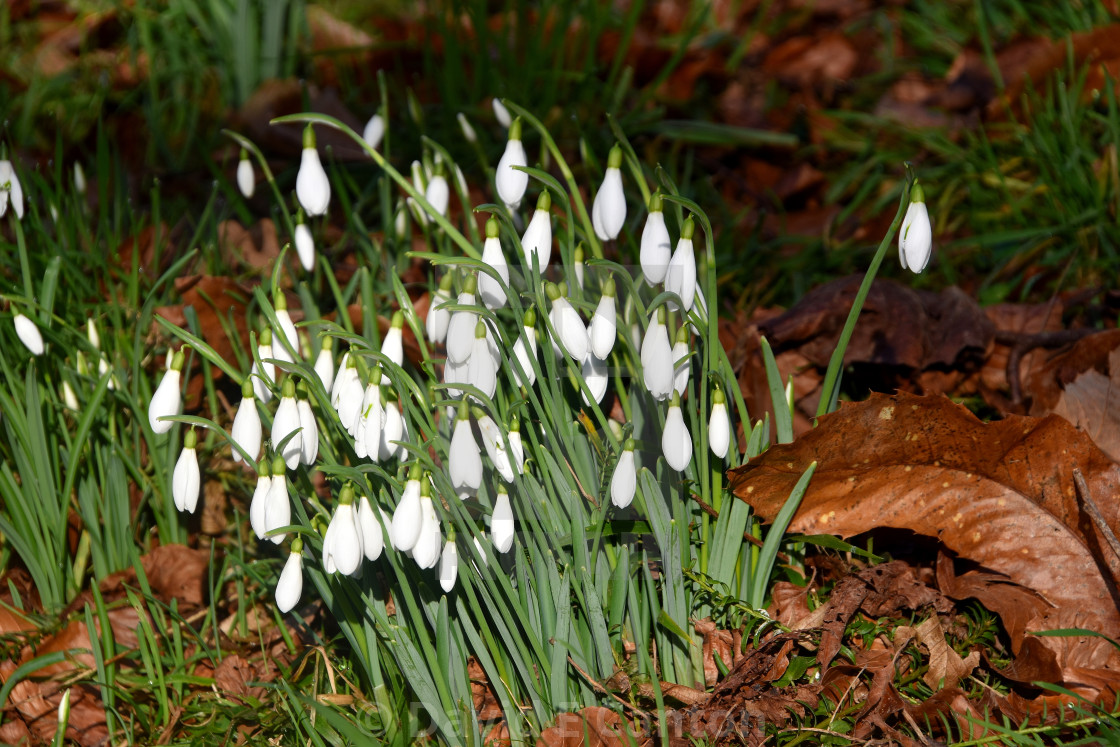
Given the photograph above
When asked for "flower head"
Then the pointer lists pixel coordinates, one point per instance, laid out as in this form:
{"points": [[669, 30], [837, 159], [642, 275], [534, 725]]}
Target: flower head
{"points": [[438, 317], [491, 291], [277, 508], [286, 434], [525, 351], [324, 365], [374, 130], [624, 482], [676, 442], [285, 331], [426, 551], [719, 425], [460, 330], [681, 275], [604, 328], [312, 186], [464, 457], [656, 249], [305, 245], [246, 431], [408, 516], [246, 179], [186, 481], [167, 399], [915, 240], [501, 521], [448, 566], [259, 501], [608, 212], [342, 544], [309, 433], [657, 357], [373, 538], [10, 190], [28, 333], [682, 361], [438, 192], [569, 327], [263, 372], [290, 586], [536, 242], [508, 181]]}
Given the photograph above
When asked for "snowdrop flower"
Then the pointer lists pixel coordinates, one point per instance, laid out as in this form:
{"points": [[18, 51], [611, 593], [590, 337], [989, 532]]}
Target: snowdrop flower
{"points": [[305, 244], [509, 182], [569, 327], [246, 431], [448, 565], [309, 435], [290, 586], [602, 330], [915, 240], [11, 191], [624, 482], [373, 539], [438, 317], [537, 239], [482, 370], [455, 373], [501, 522], [490, 290], [682, 361], [324, 365], [374, 130], [676, 443], [719, 425], [656, 248], [167, 399], [501, 113], [350, 397], [495, 447], [426, 551], [69, 397], [681, 276], [392, 347], [525, 351], [259, 502], [608, 212], [285, 330], [516, 448], [464, 458], [577, 265], [285, 424], [373, 417], [277, 509], [657, 357], [460, 330], [392, 430], [80, 178], [438, 193], [312, 186], [186, 481], [263, 372], [246, 179], [92, 334], [594, 372], [342, 544], [408, 516], [29, 334], [465, 126]]}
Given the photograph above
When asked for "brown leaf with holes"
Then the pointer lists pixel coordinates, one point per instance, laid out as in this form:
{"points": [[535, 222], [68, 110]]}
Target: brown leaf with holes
{"points": [[1000, 495]]}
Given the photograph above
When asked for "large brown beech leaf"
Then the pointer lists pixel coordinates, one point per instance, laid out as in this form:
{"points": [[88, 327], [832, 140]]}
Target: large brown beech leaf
{"points": [[1001, 495]]}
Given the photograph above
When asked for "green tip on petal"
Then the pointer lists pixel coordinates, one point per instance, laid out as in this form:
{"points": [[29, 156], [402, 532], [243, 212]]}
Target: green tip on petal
{"points": [[718, 397], [278, 465], [397, 320], [579, 253], [629, 445], [374, 374], [917, 194], [328, 343], [464, 410], [425, 487], [655, 203], [515, 129], [244, 155], [530, 319], [346, 495], [247, 389], [676, 400], [480, 330], [266, 336], [190, 440], [682, 334], [661, 314], [514, 424], [264, 469], [414, 472], [289, 388], [179, 359], [470, 285], [279, 302], [562, 288], [552, 291], [609, 288], [309, 137], [446, 281], [297, 546], [492, 228], [544, 202], [614, 158], [689, 228]]}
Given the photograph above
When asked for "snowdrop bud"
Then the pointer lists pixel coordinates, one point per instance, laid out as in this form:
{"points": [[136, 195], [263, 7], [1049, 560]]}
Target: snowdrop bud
{"points": [[312, 186], [465, 126], [342, 545], [392, 431], [92, 334], [516, 448], [374, 130], [290, 586], [11, 191], [69, 398], [287, 423], [491, 291], [537, 239], [501, 522], [657, 357], [577, 265], [915, 240], [482, 370], [681, 276], [602, 331], [277, 508], [608, 212], [501, 113], [464, 458], [624, 482], [186, 481], [495, 447], [350, 398], [373, 415], [682, 361], [309, 435], [448, 566], [29, 334], [594, 372], [569, 327], [676, 443], [285, 330], [438, 317], [373, 540], [392, 347], [246, 431], [426, 550], [167, 399], [438, 193], [324, 365], [525, 352], [305, 245], [80, 178], [719, 425], [509, 182], [246, 179], [259, 501], [460, 330], [408, 517], [656, 248], [263, 373]]}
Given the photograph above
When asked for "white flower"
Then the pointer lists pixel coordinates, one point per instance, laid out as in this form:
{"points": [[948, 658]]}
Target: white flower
{"points": [[259, 502], [305, 246], [448, 566], [608, 212], [915, 240], [516, 448], [537, 239], [656, 248], [594, 372], [657, 357], [501, 522], [460, 330], [509, 182], [408, 516], [79, 178], [29, 334], [501, 113], [263, 373], [373, 417], [392, 347], [342, 544], [682, 361], [577, 265], [392, 431], [277, 508], [464, 458], [186, 481], [11, 191], [285, 330], [489, 289], [373, 540], [374, 130], [438, 317], [495, 447], [569, 327], [92, 334], [69, 397], [246, 179], [438, 193], [426, 550], [350, 397], [482, 369], [465, 126], [602, 330], [287, 423], [324, 366], [312, 186], [455, 373], [624, 482], [524, 353], [719, 425], [676, 443], [246, 431], [167, 399], [290, 586], [309, 436], [681, 276]]}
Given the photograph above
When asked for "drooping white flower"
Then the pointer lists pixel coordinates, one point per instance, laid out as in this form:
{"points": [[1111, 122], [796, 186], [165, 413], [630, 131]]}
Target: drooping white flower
{"points": [[374, 130], [495, 447], [525, 351], [92, 334], [324, 365], [577, 265], [594, 372], [287, 423], [719, 425], [285, 330], [455, 373], [915, 240], [682, 361], [438, 192], [373, 537], [537, 239], [373, 416], [69, 397], [246, 179], [657, 249], [79, 178], [676, 442], [246, 431], [277, 507], [608, 212], [465, 126], [11, 191], [392, 347], [509, 182], [392, 431], [489, 289], [464, 458], [501, 113], [342, 544], [305, 245], [312, 186], [516, 448], [426, 551], [681, 276], [309, 436], [289, 587], [482, 369], [569, 327], [657, 357], [259, 502], [460, 330], [263, 372], [28, 333], [186, 480], [167, 399], [408, 516], [624, 482], [501, 522], [438, 317], [350, 396], [448, 566], [602, 331]]}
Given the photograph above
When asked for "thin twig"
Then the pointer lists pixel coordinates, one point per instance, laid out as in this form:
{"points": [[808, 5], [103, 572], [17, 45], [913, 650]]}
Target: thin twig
{"points": [[1095, 512], [599, 687], [1022, 343]]}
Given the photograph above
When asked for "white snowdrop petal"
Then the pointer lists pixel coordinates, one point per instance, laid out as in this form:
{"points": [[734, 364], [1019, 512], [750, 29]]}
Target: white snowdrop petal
{"points": [[681, 276], [537, 240], [624, 482], [676, 442], [522, 361], [247, 431], [246, 179], [489, 290], [392, 430], [324, 369], [719, 430], [374, 131], [290, 586], [510, 183], [683, 369], [407, 518], [287, 422], [258, 505], [448, 566], [602, 331], [501, 113], [465, 460], [570, 329], [345, 547], [186, 481], [915, 240], [29, 334], [656, 248], [502, 523], [610, 206], [392, 347], [373, 539], [278, 510], [305, 246], [481, 370], [594, 371], [309, 436], [495, 447], [460, 331], [285, 329], [657, 361], [313, 189], [438, 318], [167, 400], [438, 193], [426, 551]]}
